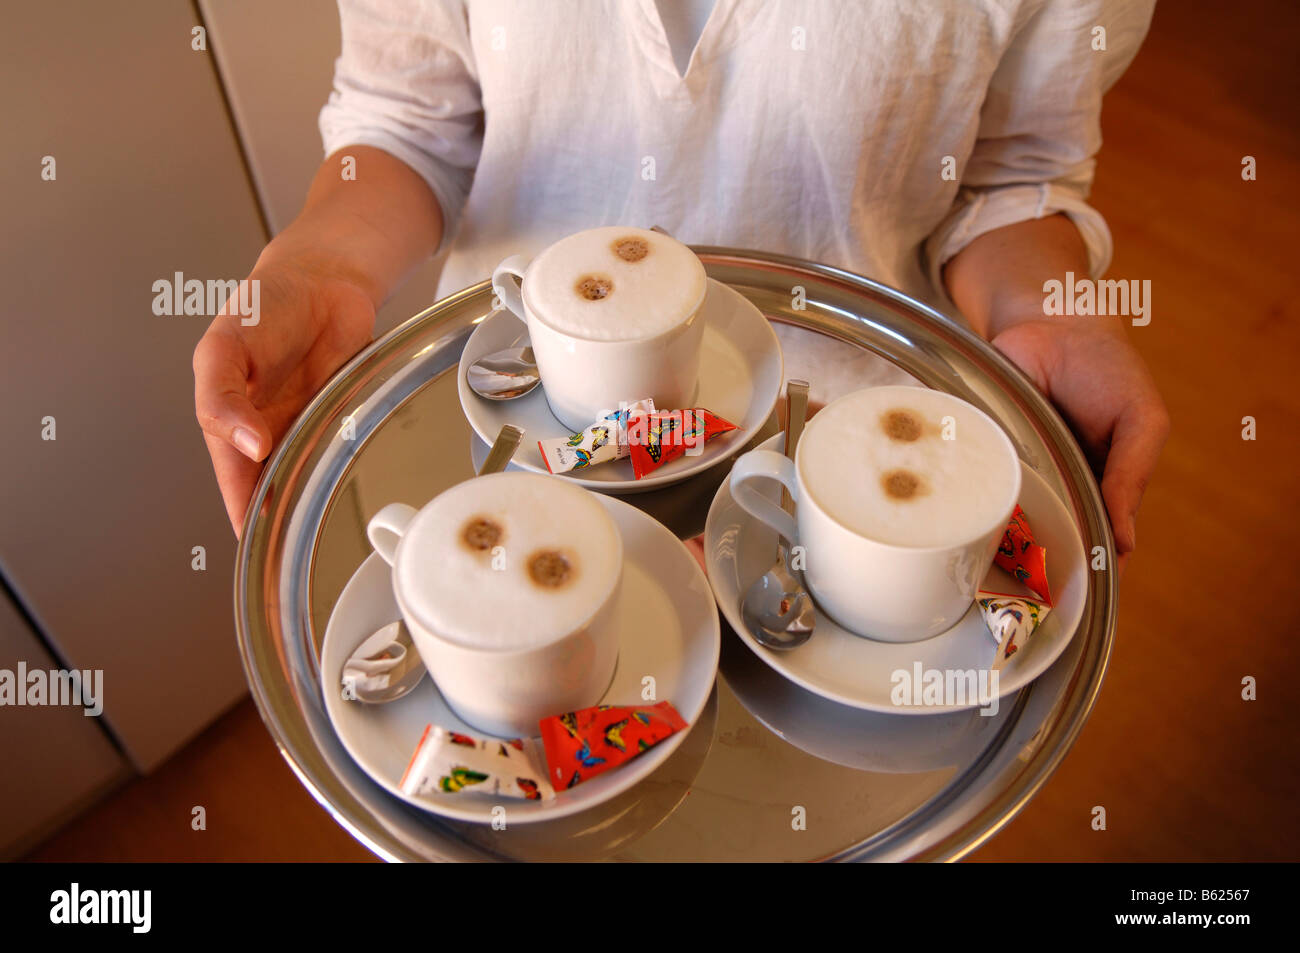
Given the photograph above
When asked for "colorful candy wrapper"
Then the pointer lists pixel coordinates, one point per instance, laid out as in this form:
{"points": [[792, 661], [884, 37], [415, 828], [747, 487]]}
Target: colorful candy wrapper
{"points": [[1019, 555], [603, 441], [1011, 620], [665, 435], [448, 762], [582, 744]]}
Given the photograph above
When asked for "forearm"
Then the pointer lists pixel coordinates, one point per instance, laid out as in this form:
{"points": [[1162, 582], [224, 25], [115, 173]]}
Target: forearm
{"points": [[371, 230], [997, 280]]}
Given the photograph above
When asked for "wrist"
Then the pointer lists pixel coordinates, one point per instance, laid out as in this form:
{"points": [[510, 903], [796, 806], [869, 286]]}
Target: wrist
{"points": [[1000, 279], [1000, 321], [322, 251]]}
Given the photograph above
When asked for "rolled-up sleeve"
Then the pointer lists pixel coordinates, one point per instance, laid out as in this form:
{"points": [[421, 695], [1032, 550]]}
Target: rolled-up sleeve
{"points": [[1040, 126], [405, 83]]}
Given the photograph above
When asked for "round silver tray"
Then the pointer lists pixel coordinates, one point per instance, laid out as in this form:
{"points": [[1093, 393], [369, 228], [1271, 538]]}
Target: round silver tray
{"points": [[769, 772]]}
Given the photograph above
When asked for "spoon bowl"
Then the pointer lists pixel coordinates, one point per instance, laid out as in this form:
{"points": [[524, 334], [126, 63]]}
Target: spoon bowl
{"points": [[777, 609], [504, 374], [386, 666]]}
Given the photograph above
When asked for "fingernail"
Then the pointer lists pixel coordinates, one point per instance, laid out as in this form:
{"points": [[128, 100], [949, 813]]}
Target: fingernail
{"points": [[246, 442]]}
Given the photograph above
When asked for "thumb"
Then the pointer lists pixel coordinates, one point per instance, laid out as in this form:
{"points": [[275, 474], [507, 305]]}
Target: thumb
{"points": [[221, 401]]}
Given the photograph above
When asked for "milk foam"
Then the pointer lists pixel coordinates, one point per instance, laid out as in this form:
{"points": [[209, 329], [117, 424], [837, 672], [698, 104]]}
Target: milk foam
{"points": [[454, 588], [848, 460], [630, 300]]}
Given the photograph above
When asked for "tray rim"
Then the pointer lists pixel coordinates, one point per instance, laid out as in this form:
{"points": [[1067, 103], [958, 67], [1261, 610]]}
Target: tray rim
{"points": [[940, 829]]}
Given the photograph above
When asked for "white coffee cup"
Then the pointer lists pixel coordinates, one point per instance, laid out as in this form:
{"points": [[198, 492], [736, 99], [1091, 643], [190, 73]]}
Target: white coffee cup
{"points": [[902, 495], [613, 315], [508, 584]]}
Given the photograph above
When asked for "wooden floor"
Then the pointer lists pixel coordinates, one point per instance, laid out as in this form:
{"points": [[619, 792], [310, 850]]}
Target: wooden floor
{"points": [[1186, 769]]}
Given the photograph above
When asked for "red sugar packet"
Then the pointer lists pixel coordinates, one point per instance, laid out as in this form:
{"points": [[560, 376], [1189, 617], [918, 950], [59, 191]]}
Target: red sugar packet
{"points": [[583, 744], [1019, 555], [665, 435]]}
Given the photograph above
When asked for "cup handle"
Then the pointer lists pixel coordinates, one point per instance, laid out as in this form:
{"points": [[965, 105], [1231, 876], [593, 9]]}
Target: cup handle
{"points": [[770, 465], [386, 527], [503, 283]]}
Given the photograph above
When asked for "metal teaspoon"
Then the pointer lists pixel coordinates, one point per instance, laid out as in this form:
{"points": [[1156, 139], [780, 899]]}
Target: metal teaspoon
{"points": [[505, 374], [777, 609]]}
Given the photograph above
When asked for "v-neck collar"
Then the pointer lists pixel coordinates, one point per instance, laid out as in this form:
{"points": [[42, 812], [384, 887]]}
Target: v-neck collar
{"points": [[717, 35]]}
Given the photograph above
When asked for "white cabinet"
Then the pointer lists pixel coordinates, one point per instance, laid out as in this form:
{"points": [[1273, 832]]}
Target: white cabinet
{"points": [[97, 526], [56, 759], [121, 167]]}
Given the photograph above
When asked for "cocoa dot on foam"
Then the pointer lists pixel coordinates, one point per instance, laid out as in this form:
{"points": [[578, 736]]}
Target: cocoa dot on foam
{"points": [[594, 287], [481, 533], [901, 484], [631, 249], [549, 569], [902, 425]]}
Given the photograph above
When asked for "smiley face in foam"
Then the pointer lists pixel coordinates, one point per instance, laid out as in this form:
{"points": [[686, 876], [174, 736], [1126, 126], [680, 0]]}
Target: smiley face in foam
{"points": [[908, 466], [614, 314], [615, 284]]}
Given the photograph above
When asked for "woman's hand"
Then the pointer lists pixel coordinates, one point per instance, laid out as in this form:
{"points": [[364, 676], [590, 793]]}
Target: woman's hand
{"points": [[1104, 391], [1085, 365], [251, 382], [321, 281]]}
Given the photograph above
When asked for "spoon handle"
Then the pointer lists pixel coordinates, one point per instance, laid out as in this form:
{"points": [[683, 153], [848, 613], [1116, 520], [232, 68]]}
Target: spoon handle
{"points": [[796, 413], [503, 449]]}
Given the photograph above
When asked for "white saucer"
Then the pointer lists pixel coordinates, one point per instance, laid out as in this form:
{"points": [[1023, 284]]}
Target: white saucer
{"points": [[669, 629], [856, 671], [741, 373]]}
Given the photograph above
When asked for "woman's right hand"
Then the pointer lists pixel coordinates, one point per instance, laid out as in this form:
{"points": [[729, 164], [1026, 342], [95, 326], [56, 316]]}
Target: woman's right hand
{"points": [[320, 283], [250, 382]]}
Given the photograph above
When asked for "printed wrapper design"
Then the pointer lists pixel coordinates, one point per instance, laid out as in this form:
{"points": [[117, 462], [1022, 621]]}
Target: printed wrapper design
{"points": [[1019, 555], [1011, 620], [583, 744], [448, 762], [665, 435], [603, 441]]}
